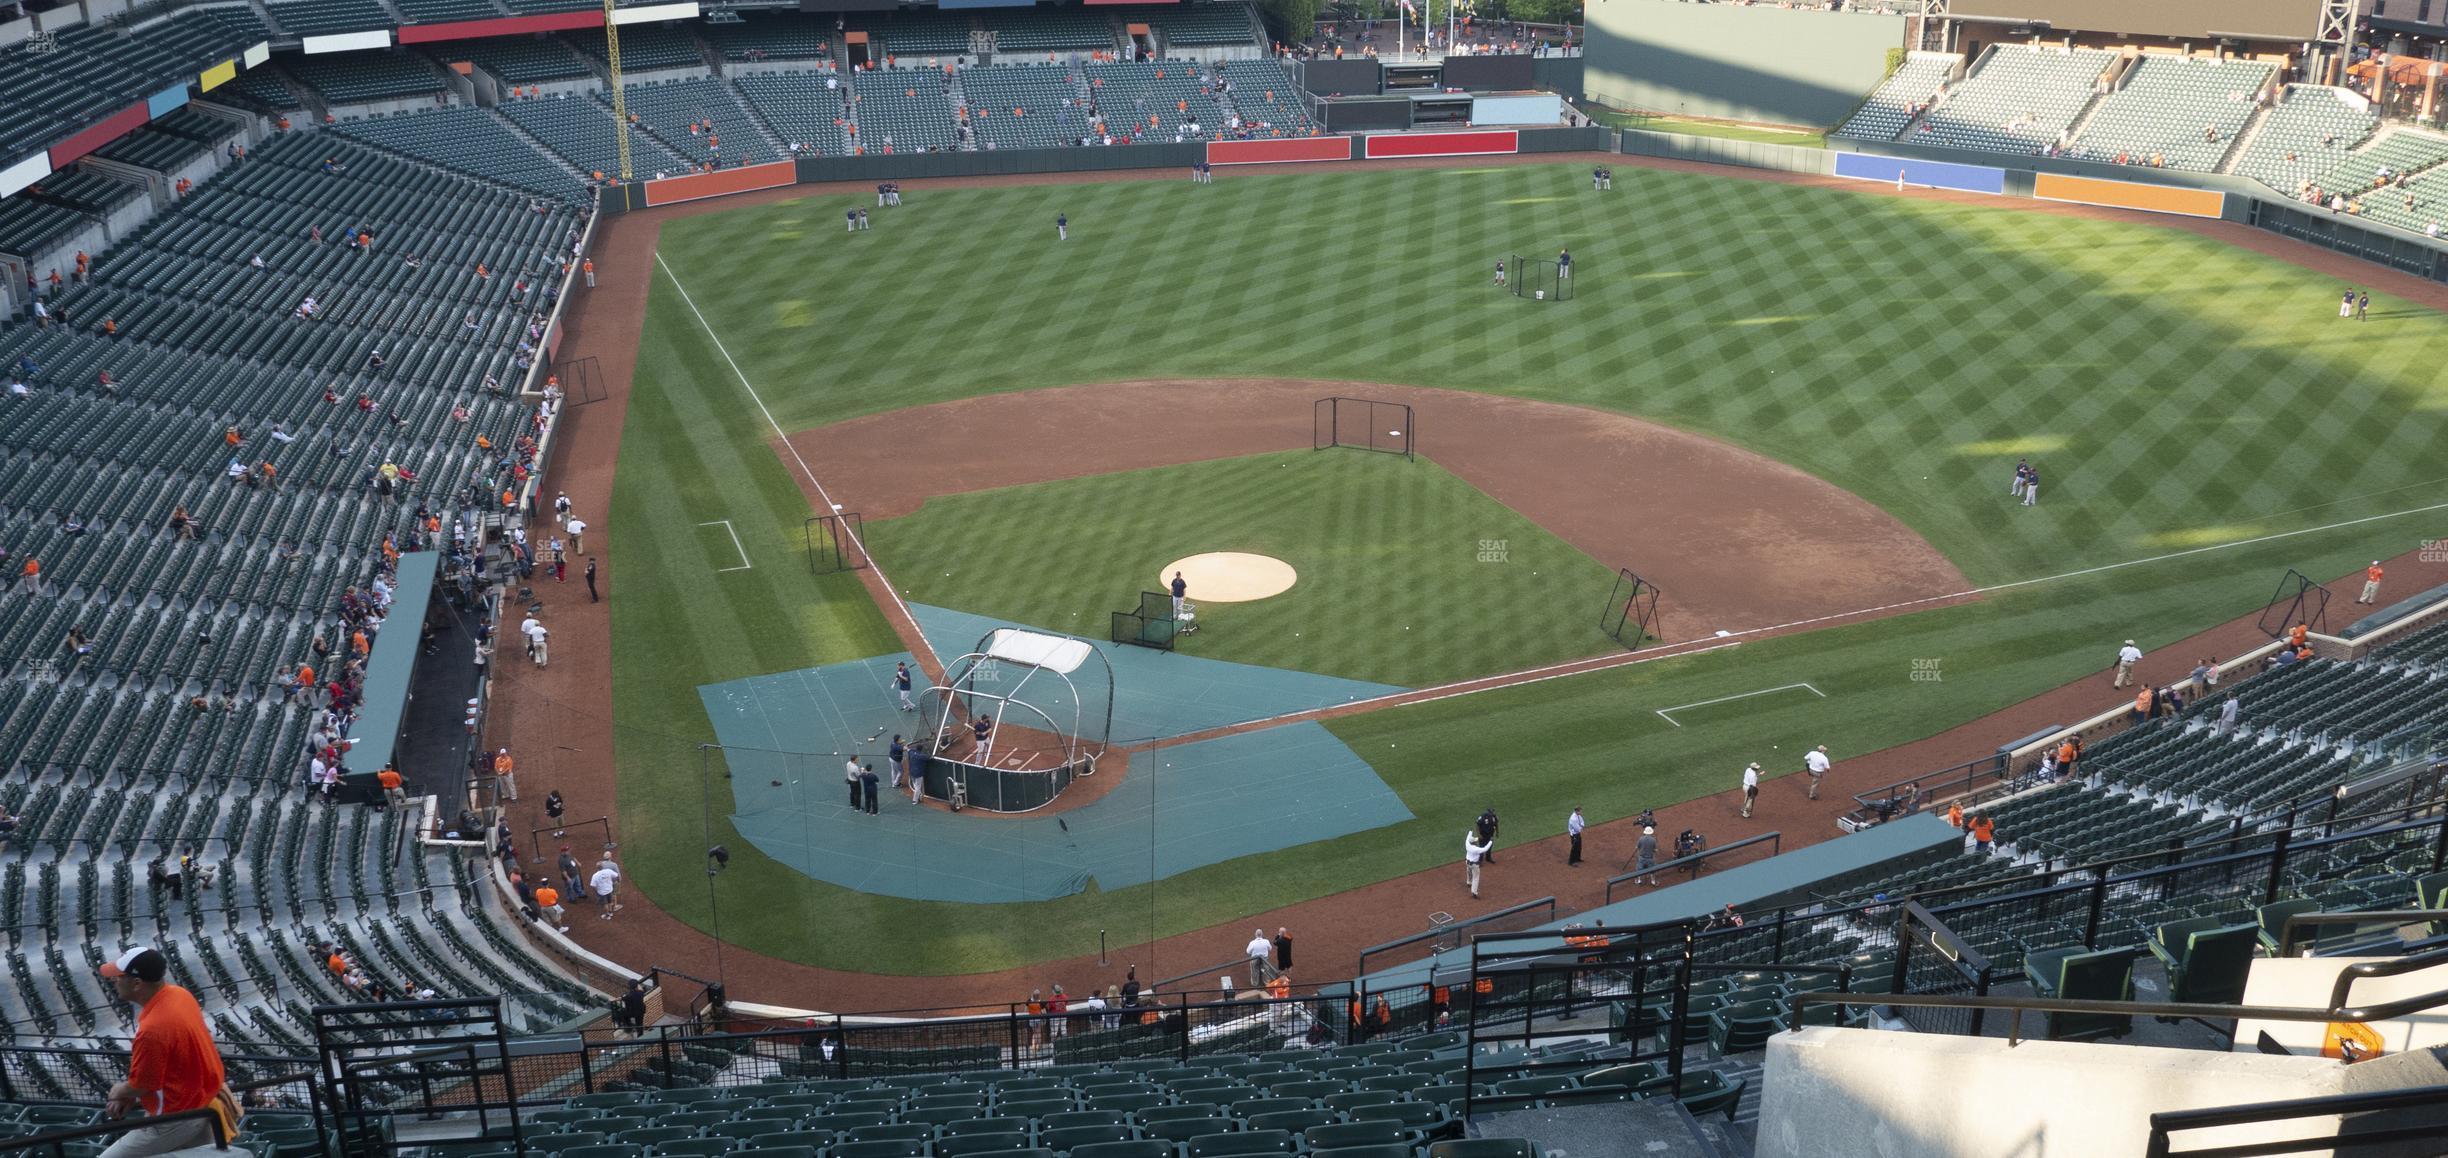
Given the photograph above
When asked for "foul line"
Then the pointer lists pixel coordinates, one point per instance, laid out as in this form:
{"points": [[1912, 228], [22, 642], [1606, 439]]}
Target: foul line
{"points": [[1726, 639], [725, 524], [881, 579], [1739, 696]]}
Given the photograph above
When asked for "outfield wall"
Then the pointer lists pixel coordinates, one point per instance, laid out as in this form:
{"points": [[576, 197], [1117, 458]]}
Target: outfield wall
{"points": [[1003, 162], [1735, 62], [2245, 202]]}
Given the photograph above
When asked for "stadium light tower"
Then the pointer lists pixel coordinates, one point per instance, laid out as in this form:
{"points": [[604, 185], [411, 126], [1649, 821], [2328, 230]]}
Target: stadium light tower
{"points": [[620, 107]]}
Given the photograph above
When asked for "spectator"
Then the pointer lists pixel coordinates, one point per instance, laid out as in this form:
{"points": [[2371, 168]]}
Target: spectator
{"points": [[173, 1065]]}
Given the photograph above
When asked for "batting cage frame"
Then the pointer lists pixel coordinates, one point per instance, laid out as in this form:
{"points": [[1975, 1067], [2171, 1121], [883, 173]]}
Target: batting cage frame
{"points": [[836, 542], [1632, 602], [1363, 424], [581, 380], [1042, 730], [1150, 626], [2306, 603], [1540, 279]]}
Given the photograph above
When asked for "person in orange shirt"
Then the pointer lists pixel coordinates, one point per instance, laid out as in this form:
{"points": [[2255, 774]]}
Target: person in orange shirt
{"points": [[230, 435], [173, 1065], [358, 644], [2298, 635], [336, 963], [30, 576], [55, 281], [548, 902], [2142, 704], [394, 786], [2371, 574], [505, 770], [587, 267], [2067, 753], [1984, 833], [84, 264], [1955, 815], [110, 327], [1281, 987]]}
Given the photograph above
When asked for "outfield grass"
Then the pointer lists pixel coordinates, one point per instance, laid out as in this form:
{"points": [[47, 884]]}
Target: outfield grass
{"points": [[1387, 550], [2175, 392]]}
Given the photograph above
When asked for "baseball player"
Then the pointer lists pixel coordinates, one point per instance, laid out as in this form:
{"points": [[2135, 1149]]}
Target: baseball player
{"points": [[901, 684], [2031, 486], [1500, 271], [1181, 591], [1062, 227]]}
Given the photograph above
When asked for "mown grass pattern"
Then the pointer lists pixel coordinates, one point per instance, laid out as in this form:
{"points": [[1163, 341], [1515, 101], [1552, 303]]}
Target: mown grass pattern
{"points": [[2174, 391], [1408, 575]]}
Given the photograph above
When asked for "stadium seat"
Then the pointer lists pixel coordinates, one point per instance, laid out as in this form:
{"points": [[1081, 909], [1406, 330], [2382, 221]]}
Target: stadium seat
{"points": [[2207, 960], [2086, 975], [1139, 1148], [1238, 1142], [1483, 1148]]}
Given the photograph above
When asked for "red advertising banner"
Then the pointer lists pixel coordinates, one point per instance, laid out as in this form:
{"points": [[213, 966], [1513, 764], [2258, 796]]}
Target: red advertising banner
{"points": [[1442, 144], [113, 127], [506, 26], [1276, 152]]}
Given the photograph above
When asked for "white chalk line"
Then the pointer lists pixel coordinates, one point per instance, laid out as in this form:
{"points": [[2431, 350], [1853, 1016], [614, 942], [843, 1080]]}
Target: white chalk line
{"points": [[725, 524], [1664, 712], [882, 579], [1726, 639]]}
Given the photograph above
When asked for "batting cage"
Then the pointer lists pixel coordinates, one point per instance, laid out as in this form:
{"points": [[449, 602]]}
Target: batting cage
{"points": [[1539, 279], [836, 542], [1152, 625], [2297, 600], [1631, 613], [1014, 721], [1363, 424]]}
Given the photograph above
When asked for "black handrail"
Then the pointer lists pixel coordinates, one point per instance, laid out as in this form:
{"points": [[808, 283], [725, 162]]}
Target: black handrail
{"points": [[1547, 903], [2167, 1122], [53, 1138], [2206, 1011], [1692, 863], [2286, 932]]}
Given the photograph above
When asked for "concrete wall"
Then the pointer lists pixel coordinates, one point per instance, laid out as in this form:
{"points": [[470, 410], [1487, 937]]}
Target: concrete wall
{"points": [[2305, 982], [1835, 1093], [1748, 63]]}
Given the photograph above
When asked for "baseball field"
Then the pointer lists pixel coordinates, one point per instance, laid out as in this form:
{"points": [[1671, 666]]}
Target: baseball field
{"points": [[1784, 404]]}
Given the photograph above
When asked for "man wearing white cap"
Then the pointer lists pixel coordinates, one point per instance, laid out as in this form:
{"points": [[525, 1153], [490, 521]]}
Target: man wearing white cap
{"points": [[1816, 763], [173, 1065], [1750, 787], [2371, 583], [2127, 657]]}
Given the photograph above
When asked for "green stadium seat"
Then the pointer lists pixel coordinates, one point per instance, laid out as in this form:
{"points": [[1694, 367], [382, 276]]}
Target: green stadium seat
{"points": [[958, 1145], [1139, 1148], [2207, 960], [1484, 1148], [2088, 975], [1238, 1142]]}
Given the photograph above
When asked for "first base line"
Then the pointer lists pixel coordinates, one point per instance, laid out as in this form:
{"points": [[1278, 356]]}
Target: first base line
{"points": [[1664, 712]]}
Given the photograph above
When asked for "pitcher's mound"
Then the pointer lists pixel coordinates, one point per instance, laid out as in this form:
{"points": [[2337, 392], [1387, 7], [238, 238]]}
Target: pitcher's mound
{"points": [[1230, 576]]}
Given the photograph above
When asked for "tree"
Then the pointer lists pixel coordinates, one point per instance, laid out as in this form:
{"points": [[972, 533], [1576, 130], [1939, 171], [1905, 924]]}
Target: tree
{"points": [[1291, 21], [1544, 11]]}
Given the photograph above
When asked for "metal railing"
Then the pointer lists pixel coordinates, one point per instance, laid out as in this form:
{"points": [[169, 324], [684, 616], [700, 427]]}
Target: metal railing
{"points": [[2425, 1127], [1511, 919], [1691, 865], [56, 1140], [2336, 1011]]}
